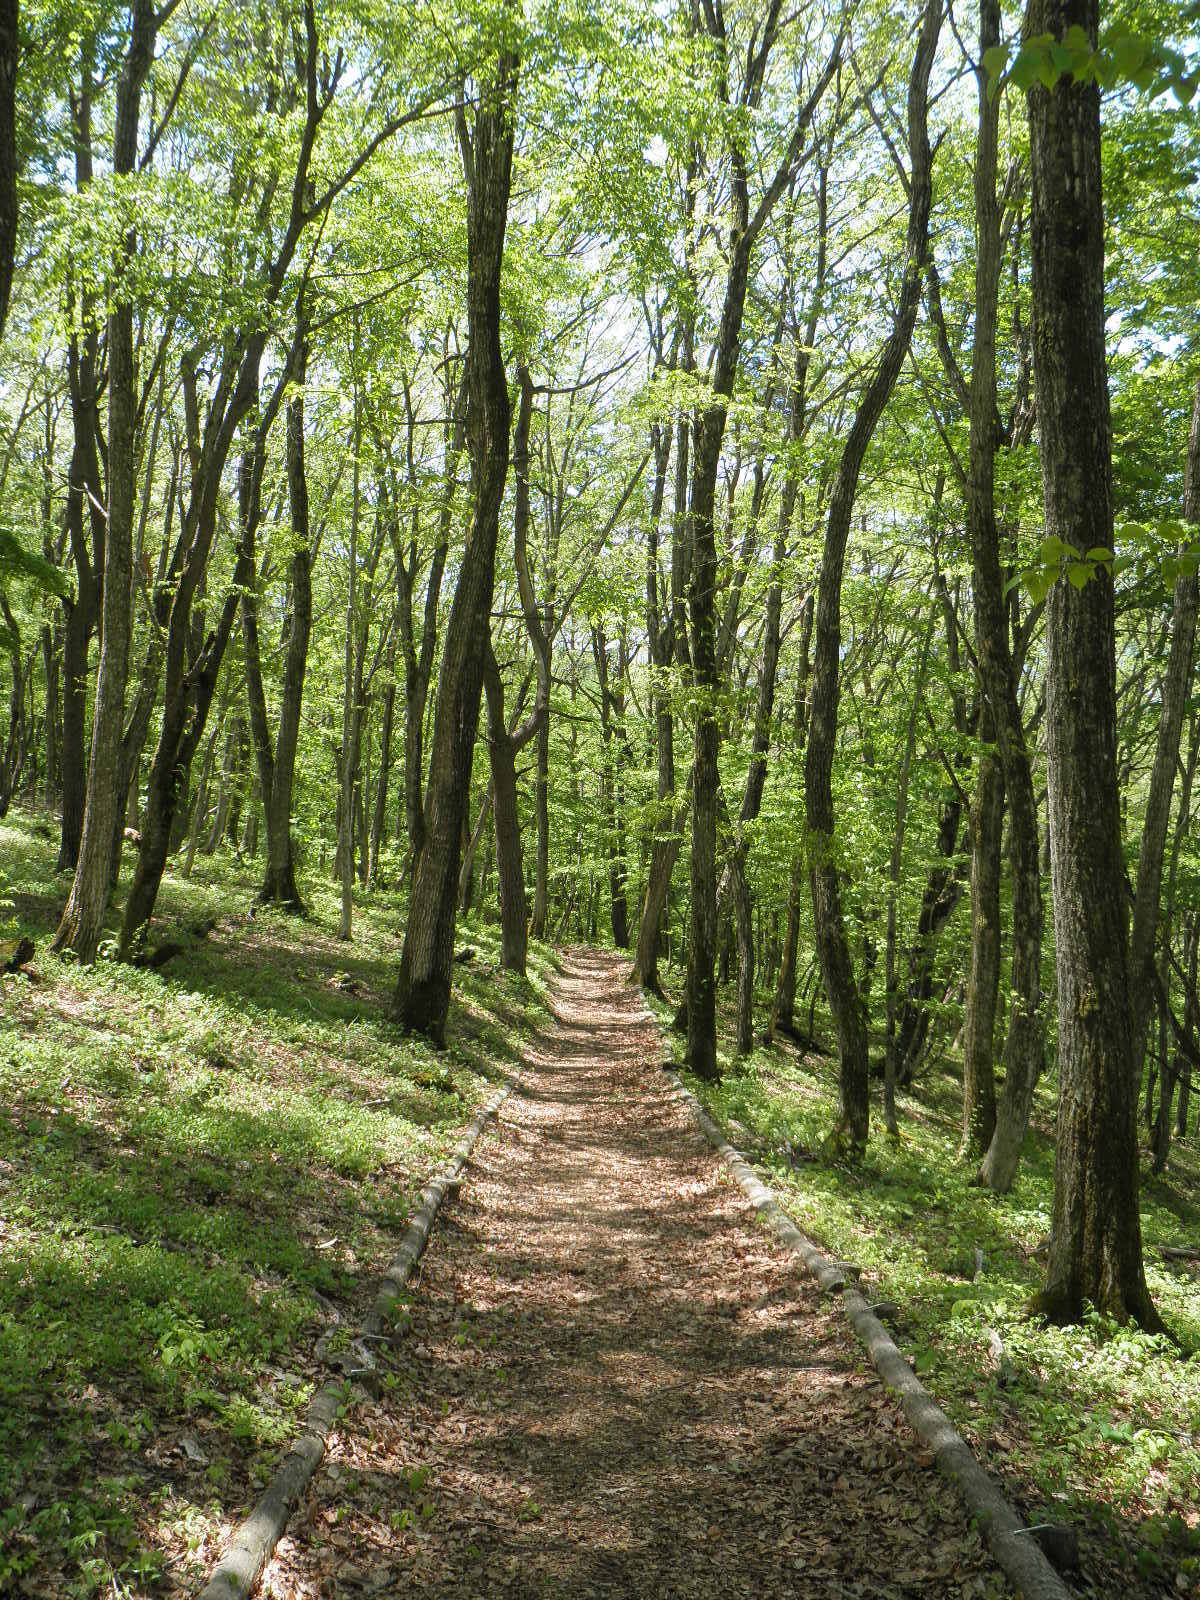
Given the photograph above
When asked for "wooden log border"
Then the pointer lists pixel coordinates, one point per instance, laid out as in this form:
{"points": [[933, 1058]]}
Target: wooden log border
{"points": [[1017, 1553], [253, 1541]]}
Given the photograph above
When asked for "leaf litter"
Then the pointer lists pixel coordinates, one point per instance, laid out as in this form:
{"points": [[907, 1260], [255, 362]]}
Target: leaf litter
{"points": [[611, 1381]]}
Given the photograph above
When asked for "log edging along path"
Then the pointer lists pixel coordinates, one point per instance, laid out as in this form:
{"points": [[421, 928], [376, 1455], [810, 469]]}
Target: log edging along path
{"points": [[253, 1541], [1017, 1553]]}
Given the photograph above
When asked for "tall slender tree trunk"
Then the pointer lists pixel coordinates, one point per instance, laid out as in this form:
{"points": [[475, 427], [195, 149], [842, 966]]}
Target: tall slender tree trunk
{"points": [[9, 56], [1176, 690], [709, 432], [1024, 1044], [1095, 1234], [783, 1012], [664, 847], [276, 759], [833, 946], [352, 690], [891, 982], [983, 980], [83, 916], [423, 988], [200, 804], [386, 724], [502, 748]]}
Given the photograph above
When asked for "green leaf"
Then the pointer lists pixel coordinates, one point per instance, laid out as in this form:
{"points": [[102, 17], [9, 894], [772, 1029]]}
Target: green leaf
{"points": [[996, 59], [1077, 41], [1025, 67], [1078, 573], [17, 562], [1052, 549], [1128, 53]]}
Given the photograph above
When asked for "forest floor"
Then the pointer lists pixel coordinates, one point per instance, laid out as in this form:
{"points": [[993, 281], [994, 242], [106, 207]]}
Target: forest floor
{"points": [[1095, 1426], [203, 1170], [614, 1382]]}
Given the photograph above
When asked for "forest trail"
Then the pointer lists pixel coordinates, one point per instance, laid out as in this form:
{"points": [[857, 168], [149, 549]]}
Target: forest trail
{"points": [[615, 1382]]}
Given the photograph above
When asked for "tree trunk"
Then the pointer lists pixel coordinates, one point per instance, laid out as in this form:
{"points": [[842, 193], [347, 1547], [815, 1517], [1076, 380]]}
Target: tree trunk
{"points": [[783, 1011], [387, 720], [1095, 1235], [466, 875], [664, 845], [352, 690], [225, 791], [833, 947], [983, 982], [891, 1041], [9, 56], [200, 808], [276, 760], [613, 740], [1176, 688], [83, 916], [502, 748], [541, 810], [1024, 1044], [423, 988]]}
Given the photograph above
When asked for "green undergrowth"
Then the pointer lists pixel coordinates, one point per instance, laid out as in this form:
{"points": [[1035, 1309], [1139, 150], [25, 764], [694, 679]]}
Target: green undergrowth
{"points": [[1097, 1425], [202, 1168]]}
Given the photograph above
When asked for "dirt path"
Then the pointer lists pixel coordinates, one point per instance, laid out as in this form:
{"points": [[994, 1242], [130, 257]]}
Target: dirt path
{"points": [[616, 1384]]}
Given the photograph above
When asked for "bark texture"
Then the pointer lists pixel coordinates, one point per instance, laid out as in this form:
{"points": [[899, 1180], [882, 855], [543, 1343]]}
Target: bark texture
{"points": [[423, 988], [83, 916], [1095, 1236]]}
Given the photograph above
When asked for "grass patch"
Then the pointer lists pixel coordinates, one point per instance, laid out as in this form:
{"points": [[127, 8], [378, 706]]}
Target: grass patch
{"points": [[1100, 1425], [202, 1168]]}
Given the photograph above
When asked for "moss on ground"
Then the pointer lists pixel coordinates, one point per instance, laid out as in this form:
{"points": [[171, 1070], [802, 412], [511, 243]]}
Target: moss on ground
{"points": [[202, 1168]]}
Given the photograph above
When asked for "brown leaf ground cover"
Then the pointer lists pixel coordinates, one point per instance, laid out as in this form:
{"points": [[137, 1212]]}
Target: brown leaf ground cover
{"points": [[611, 1381]]}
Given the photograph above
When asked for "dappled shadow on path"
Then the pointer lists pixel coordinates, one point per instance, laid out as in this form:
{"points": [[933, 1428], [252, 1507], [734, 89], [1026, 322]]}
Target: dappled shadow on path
{"points": [[615, 1383]]}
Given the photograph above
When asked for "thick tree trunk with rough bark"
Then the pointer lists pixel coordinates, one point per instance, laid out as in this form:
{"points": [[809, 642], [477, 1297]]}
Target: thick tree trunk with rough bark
{"points": [[1095, 1235], [423, 988], [833, 946]]}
